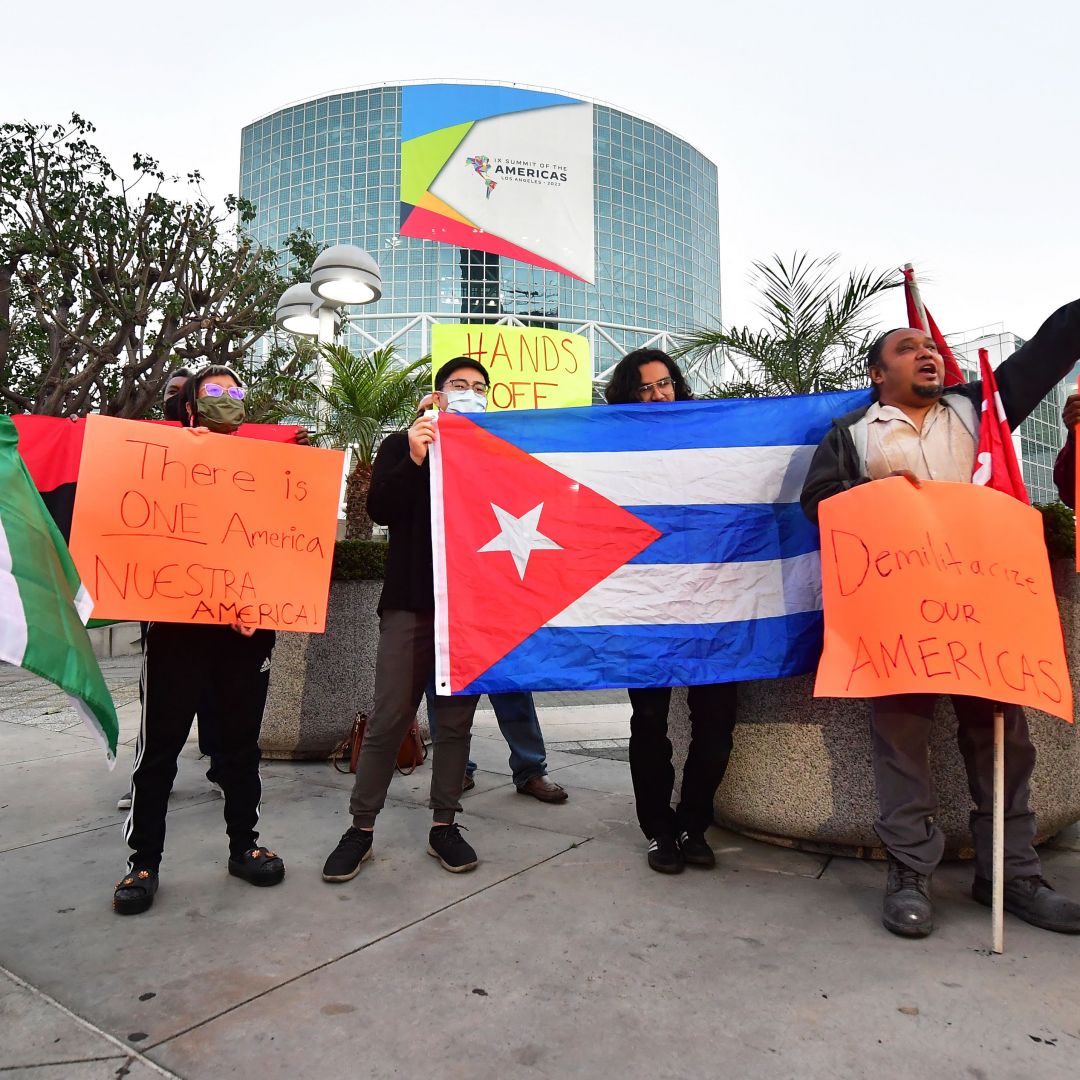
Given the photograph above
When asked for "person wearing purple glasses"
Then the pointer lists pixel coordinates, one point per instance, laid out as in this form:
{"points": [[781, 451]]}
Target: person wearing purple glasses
{"points": [[226, 665]]}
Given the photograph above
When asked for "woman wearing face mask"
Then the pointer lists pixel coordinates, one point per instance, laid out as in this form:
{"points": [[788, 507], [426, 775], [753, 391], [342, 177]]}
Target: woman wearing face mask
{"points": [[676, 837], [186, 665]]}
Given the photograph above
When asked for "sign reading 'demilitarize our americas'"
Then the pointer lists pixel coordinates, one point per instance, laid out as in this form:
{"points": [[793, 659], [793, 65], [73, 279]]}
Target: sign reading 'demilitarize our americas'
{"points": [[172, 525], [942, 589], [529, 368]]}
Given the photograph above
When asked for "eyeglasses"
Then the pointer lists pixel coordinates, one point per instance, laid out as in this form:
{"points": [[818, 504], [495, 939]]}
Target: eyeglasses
{"points": [[213, 390], [660, 384], [462, 384]]}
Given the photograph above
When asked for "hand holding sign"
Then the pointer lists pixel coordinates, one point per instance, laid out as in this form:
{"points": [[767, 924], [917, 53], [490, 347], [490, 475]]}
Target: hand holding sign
{"points": [[945, 589], [174, 526]]}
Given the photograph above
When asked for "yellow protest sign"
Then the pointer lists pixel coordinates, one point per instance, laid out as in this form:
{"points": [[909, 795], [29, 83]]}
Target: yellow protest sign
{"points": [[941, 589], [530, 368], [174, 526]]}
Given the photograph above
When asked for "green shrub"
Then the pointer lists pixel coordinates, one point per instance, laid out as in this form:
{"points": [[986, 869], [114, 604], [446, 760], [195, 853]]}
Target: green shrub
{"points": [[1059, 528], [359, 560]]}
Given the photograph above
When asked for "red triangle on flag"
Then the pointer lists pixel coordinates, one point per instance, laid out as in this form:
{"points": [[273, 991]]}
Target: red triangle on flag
{"points": [[522, 542]]}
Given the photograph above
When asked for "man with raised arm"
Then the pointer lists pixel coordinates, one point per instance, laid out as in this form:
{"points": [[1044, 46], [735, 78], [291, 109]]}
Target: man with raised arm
{"points": [[918, 429]]}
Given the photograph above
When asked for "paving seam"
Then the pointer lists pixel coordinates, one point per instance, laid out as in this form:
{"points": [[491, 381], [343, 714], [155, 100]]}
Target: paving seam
{"points": [[120, 820], [360, 948], [68, 1061], [125, 1050]]}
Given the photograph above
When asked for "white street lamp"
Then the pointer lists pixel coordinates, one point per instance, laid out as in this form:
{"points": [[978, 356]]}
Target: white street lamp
{"points": [[346, 274], [301, 312]]}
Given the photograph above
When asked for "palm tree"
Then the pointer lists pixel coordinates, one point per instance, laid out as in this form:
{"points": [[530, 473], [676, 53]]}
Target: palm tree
{"points": [[817, 332], [365, 396]]}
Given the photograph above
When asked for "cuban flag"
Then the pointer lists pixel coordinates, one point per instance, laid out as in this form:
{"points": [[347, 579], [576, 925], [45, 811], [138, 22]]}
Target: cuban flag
{"points": [[659, 544]]}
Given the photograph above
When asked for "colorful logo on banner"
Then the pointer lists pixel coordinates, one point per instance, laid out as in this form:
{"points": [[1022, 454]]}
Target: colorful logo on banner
{"points": [[529, 368], [502, 170], [177, 527], [942, 589]]}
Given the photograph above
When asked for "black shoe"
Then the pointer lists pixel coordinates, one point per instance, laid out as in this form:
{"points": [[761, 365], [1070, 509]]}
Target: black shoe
{"points": [[134, 893], [468, 783], [695, 851], [258, 866], [452, 850], [353, 850], [665, 856], [907, 910], [1034, 901]]}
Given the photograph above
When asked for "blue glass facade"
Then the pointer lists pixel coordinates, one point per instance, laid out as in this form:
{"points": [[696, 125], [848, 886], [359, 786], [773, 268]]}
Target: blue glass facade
{"points": [[332, 165]]}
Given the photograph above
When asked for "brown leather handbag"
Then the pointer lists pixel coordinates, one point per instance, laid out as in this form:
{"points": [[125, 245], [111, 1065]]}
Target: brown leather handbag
{"points": [[411, 753]]}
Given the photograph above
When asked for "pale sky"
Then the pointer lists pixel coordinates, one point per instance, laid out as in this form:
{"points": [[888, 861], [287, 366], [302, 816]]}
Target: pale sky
{"points": [[944, 133]]}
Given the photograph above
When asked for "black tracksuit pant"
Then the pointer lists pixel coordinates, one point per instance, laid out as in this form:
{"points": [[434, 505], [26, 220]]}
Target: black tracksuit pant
{"points": [[712, 722], [183, 667]]}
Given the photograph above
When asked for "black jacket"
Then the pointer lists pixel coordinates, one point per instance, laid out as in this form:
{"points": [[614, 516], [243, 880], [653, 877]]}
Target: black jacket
{"points": [[1023, 381], [400, 498]]}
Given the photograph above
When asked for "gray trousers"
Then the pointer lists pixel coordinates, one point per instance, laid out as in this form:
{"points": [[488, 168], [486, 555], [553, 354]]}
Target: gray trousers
{"points": [[900, 729], [403, 663]]}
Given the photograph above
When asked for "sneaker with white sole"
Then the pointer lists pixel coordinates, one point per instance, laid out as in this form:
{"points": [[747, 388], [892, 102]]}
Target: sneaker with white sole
{"points": [[124, 802], [452, 850], [352, 851]]}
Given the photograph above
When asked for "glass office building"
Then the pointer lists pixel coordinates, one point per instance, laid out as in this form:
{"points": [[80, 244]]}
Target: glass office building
{"points": [[333, 165], [1038, 438]]}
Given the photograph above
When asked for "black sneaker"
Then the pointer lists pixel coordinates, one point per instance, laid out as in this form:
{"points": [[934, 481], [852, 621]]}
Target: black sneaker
{"points": [[665, 856], [452, 850], [353, 850], [695, 851], [134, 893], [1033, 900], [907, 910]]}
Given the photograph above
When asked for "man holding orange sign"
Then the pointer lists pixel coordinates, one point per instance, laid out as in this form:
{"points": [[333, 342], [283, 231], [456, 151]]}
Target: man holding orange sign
{"points": [[919, 430]]}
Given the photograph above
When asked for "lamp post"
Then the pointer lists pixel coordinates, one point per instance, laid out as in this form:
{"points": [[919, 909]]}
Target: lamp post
{"points": [[341, 276]]}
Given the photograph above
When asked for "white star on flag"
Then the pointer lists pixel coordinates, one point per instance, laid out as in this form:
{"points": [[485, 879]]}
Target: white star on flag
{"points": [[519, 536]]}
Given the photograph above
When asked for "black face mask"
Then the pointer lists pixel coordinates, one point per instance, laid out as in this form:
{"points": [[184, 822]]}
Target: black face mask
{"points": [[173, 407]]}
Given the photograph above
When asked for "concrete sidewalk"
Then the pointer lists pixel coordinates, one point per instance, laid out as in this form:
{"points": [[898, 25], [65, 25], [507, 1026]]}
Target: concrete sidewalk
{"points": [[562, 955]]}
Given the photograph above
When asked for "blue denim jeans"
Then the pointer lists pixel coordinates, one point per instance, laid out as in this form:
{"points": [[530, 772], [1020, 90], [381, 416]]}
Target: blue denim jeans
{"points": [[520, 727]]}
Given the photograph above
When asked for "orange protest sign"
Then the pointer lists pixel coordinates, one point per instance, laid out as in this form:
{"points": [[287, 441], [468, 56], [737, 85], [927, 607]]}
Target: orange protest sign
{"points": [[175, 526], [943, 589]]}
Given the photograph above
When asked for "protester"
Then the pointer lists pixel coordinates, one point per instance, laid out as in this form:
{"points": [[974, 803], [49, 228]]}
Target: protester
{"points": [[1065, 465], [400, 498], [918, 429], [171, 405], [183, 666], [676, 837]]}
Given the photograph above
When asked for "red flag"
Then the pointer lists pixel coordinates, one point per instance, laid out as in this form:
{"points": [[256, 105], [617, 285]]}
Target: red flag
{"points": [[995, 460], [921, 319]]}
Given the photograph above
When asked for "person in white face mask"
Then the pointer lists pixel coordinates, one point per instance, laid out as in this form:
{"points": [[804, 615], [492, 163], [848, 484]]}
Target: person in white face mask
{"points": [[400, 497], [465, 390]]}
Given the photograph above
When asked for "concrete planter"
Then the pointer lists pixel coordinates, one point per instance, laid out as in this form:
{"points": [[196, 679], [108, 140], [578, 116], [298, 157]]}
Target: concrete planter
{"points": [[319, 681], [800, 773]]}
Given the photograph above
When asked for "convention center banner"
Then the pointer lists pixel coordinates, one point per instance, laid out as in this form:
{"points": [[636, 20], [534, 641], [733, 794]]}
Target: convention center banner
{"points": [[500, 169], [530, 368], [175, 526], [578, 549], [940, 589]]}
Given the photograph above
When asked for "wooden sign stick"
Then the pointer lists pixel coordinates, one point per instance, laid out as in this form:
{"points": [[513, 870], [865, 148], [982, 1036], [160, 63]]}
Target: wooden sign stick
{"points": [[998, 908]]}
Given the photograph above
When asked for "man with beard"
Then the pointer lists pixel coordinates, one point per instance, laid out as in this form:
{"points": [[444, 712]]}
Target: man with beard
{"points": [[918, 429]]}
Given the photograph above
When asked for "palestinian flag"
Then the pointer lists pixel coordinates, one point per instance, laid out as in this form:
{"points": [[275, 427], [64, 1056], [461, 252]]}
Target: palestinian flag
{"points": [[51, 446], [42, 601]]}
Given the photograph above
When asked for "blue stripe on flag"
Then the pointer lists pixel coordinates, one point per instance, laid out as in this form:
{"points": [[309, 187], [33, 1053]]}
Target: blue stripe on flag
{"points": [[726, 533], [681, 425], [598, 657]]}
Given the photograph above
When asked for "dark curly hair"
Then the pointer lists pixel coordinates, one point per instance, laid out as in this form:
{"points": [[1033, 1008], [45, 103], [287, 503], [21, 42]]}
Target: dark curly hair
{"points": [[622, 387]]}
